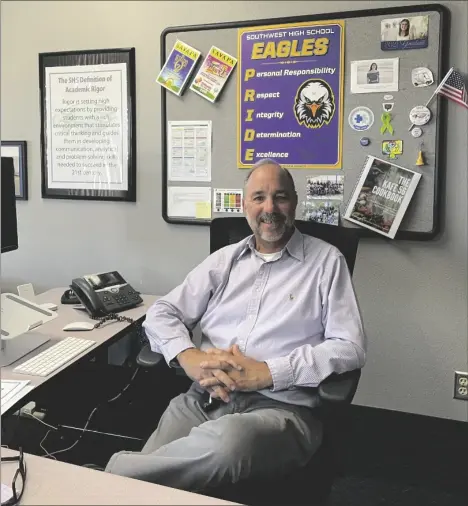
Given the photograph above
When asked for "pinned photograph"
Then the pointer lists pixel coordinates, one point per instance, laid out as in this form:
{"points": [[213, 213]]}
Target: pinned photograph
{"points": [[325, 187], [374, 76], [404, 33], [321, 211]]}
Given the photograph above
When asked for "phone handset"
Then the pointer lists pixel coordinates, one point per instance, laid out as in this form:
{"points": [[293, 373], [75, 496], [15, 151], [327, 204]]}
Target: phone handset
{"points": [[88, 297]]}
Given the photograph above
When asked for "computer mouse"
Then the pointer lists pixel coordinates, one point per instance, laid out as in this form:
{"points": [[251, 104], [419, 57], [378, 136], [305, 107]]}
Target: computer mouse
{"points": [[79, 326]]}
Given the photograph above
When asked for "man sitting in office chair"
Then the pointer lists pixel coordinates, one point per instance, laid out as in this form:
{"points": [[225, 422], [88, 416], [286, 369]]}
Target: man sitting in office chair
{"points": [[278, 315]]}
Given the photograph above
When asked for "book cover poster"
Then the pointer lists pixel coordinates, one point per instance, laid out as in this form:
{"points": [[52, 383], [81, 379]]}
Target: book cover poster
{"points": [[178, 67], [381, 196], [213, 74]]}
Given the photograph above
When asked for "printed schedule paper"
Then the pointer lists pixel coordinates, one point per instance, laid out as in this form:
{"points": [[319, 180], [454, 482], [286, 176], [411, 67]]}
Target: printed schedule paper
{"points": [[189, 151]]}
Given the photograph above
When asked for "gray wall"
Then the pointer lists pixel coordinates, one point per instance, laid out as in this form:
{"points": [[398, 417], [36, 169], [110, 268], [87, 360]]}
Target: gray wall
{"points": [[413, 295]]}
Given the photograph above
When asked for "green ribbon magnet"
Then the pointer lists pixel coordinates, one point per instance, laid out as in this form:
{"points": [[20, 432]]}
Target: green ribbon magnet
{"points": [[386, 123]]}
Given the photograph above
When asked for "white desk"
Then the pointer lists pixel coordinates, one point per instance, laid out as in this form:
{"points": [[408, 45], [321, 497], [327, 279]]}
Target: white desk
{"points": [[104, 335], [52, 482]]}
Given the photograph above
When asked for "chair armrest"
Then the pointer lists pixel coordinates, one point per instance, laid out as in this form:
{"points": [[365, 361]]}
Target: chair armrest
{"points": [[147, 358], [339, 388]]}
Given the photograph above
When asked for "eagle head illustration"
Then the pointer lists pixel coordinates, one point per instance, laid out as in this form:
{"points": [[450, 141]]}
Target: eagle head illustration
{"points": [[315, 103]]}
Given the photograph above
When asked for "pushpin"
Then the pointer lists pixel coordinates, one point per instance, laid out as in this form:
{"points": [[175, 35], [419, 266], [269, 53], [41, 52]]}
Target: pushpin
{"points": [[420, 160]]}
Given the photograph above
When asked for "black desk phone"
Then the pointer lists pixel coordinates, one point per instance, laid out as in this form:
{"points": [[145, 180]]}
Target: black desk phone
{"points": [[104, 294]]}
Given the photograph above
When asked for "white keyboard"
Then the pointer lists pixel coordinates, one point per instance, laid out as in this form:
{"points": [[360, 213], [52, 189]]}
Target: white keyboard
{"points": [[54, 357]]}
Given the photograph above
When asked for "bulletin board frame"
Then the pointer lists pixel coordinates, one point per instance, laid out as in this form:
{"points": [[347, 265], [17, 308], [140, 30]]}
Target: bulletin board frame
{"points": [[434, 213], [91, 57]]}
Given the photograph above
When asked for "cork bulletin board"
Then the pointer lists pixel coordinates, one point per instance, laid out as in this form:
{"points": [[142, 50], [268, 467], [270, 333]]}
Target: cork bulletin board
{"points": [[362, 40]]}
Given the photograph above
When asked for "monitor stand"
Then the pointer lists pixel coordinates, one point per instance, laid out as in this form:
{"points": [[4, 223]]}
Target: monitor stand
{"points": [[18, 347]]}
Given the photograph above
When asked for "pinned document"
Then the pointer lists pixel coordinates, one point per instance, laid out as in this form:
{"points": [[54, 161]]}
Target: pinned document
{"points": [[227, 200]]}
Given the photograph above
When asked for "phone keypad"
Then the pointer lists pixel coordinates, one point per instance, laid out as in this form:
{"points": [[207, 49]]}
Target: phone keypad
{"points": [[119, 299]]}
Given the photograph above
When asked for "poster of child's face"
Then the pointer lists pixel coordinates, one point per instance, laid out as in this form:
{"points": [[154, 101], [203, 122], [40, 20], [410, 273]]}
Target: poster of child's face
{"points": [[404, 33]]}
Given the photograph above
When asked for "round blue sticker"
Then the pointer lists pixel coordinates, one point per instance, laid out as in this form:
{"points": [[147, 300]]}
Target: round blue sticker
{"points": [[361, 118], [364, 141]]}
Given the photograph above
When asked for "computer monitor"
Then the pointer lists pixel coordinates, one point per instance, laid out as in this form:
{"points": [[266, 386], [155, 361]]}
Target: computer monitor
{"points": [[12, 348], [8, 202]]}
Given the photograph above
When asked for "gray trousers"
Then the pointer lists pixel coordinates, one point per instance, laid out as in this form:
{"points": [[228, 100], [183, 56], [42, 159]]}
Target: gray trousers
{"points": [[251, 436]]}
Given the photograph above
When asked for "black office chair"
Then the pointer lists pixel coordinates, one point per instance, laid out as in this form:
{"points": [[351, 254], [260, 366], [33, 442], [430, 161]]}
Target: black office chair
{"points": [[312, 484]]}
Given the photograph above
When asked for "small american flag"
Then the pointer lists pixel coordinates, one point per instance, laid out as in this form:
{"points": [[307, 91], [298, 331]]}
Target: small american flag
{"points": [[454, 88]]}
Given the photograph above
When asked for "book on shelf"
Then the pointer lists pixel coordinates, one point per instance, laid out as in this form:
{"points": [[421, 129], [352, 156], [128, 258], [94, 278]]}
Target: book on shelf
{"points": [[381, 196]]}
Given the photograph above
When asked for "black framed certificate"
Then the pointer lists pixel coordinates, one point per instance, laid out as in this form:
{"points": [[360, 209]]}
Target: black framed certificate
{"points": [[88, 133]]}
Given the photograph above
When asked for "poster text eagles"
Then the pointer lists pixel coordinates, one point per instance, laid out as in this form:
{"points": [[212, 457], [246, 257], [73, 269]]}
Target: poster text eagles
{"points": [[290, 95]]}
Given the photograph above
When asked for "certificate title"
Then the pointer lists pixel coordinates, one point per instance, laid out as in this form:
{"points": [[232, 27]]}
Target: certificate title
{"points": [[77, 80]]}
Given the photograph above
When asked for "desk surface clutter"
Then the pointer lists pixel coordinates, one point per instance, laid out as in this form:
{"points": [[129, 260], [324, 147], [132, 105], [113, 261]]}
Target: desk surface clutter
{"points": [[54, 482], [65, 315]]}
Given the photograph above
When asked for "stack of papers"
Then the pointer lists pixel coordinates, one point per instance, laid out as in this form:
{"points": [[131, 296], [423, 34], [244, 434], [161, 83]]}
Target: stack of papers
{"points": [[12, 391]]}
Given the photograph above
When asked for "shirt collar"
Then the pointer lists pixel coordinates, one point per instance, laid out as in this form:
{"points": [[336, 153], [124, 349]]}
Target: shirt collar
{"points": [[295, 246]]}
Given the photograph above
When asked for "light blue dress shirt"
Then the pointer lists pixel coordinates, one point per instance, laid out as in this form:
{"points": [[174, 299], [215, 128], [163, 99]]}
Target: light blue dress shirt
{"points": [[298, 313]]}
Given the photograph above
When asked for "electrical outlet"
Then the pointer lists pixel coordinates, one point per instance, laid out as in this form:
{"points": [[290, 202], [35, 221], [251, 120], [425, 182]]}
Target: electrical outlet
{"points": [[461, 386]]}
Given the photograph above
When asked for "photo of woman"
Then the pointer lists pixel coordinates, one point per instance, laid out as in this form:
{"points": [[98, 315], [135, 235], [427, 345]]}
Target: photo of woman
{"points": [[404, 33], [373, 74]]}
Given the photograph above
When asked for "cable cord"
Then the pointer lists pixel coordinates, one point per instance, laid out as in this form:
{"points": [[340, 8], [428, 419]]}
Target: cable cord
{"points": [[51, 454], [113, 316]]}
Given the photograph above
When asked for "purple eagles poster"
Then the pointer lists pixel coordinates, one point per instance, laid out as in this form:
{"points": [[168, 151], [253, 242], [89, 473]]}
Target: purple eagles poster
{"points": [[290, 95]]}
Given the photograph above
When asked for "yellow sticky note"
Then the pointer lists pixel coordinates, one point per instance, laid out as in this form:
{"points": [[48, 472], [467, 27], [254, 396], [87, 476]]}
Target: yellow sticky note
{"points": [[203, 210]]}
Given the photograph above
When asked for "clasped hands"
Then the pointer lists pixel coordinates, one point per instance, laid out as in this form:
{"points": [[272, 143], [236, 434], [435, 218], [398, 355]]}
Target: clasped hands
{"points": [[221, 371]]}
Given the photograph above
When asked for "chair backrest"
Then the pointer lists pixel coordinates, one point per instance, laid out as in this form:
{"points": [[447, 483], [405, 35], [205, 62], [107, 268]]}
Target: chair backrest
{"points": [[232, 229]]}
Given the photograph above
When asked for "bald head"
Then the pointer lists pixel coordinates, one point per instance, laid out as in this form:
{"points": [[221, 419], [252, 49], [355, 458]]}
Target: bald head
{"points": [[270, 165]]}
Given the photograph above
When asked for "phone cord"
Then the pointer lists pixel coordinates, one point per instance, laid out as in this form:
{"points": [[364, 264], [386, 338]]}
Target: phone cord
{"points": [[114, 316], [109, 317]]}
